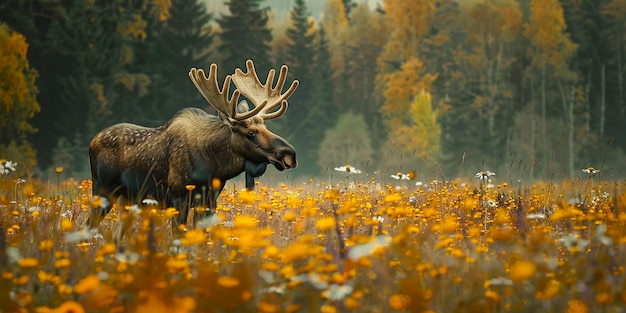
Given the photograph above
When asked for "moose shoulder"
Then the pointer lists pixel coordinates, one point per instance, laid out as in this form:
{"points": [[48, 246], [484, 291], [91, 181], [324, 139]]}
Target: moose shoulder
{"points": [[194, 148]]}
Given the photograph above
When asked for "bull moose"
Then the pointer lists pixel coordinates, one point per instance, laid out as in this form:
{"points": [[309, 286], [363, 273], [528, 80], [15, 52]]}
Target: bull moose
{"points": [[131, 162]]}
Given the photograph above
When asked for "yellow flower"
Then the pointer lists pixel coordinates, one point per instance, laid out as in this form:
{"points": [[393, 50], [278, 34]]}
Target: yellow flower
{"points": [[109, 248], [216, 183], [245, 222], [549, 291], [228, 281], [87, 284], [270, 266], [47, 278], [66, 224], [295, 251], [399, 302], [70, 307], [247, 197], [193, 237], [46, 245], [62, 263], [522, 271], [604, 297], [490, 294], [176, 265], [327, 308], [28, 263], [325, 223], [58, 169], [270, 252], [265, 307], [170, 212], [289, 217], [577, 306]]}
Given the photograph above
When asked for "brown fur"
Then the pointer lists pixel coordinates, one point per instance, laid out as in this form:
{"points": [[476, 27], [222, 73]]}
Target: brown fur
{"points": [[193, 148]]}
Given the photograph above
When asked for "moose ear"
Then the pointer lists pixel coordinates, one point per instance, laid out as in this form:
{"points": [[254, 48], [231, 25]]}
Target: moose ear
{"points": [[243, 107], [224, 118]]}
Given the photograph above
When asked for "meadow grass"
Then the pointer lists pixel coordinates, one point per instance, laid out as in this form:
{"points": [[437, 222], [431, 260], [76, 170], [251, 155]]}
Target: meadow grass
{"points": [[457, 246]]}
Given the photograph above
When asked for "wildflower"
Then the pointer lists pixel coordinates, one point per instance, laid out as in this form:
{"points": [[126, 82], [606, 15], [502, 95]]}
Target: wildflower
{"points": [[532, 216], [577, 306], [58, 169], [247, 197], [99, 202], [66, 224], [70, 307], [134, 209], [399, 302], [193, 237], [591, 170], [228, 281], [359, 251], [522, 271], [265, 307], [401, 176], [327, 308], [348, 169], [270, 252], [208, 221], [295, 251], [81, 235], [549, 290], [600, 234], [87, 284], [573, 243], [61, 263], [28, 263], [337, 292], [150, 202], [490, 294], [7, 167], [500, 281], [325, 223], [190, 187], [102, 275], [484, 174], [245, 222]]}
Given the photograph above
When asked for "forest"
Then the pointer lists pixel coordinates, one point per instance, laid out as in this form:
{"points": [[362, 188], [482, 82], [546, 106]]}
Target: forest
{"points": [[530, 89]]}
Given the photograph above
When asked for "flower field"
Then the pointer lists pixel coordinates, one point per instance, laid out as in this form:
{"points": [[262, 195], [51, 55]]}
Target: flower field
{"points": [[359, 245]]}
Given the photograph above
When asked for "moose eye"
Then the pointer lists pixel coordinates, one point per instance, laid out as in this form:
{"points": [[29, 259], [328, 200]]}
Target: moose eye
{"points": [[251, 134]]}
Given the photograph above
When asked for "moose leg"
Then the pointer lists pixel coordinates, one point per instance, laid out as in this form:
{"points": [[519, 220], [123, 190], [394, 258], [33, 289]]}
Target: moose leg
{"points": [[97, 214], [179, 223], [123, 222], [203, 212]]}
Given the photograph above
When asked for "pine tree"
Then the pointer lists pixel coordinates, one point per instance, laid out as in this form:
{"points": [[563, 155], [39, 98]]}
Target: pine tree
{"points": [[245, 35], [299, 56], [184, 40]]}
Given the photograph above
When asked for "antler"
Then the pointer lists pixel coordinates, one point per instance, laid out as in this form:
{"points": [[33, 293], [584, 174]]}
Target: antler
{"points": [[210, 90], [264, 97]]}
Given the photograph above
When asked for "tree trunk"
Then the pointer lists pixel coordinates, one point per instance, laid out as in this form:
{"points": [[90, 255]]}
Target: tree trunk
{"points": [[542, 93], [602, 100], [568, 99]]}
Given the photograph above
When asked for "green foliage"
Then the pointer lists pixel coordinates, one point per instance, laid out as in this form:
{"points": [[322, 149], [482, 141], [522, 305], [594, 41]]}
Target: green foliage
{"points": [[18, 103], [185, 41], [244, 35], [348, 142]]}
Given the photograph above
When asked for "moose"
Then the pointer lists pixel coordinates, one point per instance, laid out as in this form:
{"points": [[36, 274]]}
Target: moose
{"points": [[194, 148]]}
